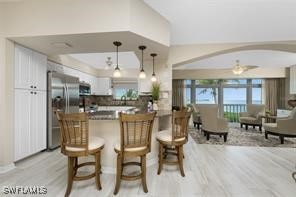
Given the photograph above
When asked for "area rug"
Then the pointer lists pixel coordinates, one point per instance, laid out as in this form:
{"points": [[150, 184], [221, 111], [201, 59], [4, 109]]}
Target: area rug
{"points": [[240, 137]]}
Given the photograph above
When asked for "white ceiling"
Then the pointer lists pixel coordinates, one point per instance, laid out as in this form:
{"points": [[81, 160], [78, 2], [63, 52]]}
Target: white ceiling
{"points": [[126, 60], [261, 58], [224, 21]]}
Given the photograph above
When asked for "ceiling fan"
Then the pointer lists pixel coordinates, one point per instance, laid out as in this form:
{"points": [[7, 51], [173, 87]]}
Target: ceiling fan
{"points": [[239, 69]]}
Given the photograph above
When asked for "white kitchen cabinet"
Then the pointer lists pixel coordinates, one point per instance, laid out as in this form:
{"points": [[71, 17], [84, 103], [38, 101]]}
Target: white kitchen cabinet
{"points": [[100, 86], [22, 123], [39, 70], [30, 122], [293, 79], [30, 69], [30, 102], [23, 67], [38, 121]]}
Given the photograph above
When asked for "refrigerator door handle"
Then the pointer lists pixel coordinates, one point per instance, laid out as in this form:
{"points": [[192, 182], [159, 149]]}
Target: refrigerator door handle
{"points": [[66, 99]]}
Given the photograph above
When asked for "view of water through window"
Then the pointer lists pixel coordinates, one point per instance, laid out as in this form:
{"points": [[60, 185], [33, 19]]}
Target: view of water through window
{"points": [[235, 94]]}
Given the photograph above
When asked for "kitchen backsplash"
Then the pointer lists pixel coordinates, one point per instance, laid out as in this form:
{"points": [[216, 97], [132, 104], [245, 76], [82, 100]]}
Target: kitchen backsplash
{"points": [[107, 100]]}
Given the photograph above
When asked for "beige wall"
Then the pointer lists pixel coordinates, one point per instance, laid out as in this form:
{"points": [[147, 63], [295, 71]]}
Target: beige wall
{"points": [[148, 23], [227, 73], [56, 17], [6, 102], [52, 17], [184, 54]]}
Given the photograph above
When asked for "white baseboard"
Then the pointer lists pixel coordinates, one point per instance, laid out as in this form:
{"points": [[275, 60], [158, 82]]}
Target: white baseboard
{"points": [[4, 169]]}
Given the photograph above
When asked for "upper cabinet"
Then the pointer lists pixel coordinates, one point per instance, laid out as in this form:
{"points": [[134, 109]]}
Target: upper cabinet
{"points": [[293, 79], [30, 69], [99, 85]]}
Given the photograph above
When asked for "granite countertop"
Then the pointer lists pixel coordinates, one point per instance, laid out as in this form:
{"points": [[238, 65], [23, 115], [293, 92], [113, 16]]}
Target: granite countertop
{"points": [[113, 115]]}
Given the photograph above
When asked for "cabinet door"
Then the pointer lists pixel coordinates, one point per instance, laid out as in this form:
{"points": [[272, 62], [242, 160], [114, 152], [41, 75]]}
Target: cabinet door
{"points": [[22, 123], [23, 67], [38, 122], [39, 71], [102, 86]]}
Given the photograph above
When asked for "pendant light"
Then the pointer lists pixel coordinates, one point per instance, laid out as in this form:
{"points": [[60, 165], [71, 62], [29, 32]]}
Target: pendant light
{"points": [[142, 74], [153, 78], [116, 72]]}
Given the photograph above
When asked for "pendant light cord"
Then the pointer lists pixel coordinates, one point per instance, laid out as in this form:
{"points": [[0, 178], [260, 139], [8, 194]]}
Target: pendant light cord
{"points": [[116, 56], [142, 59], [153, 65]]}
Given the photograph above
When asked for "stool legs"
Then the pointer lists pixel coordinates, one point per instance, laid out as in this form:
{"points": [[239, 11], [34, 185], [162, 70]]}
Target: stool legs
{"points": [[118, 173], [71, 161], [160, 158], [98, 170], [75, 165], [180, 159], [143, 172], [179, 162]]}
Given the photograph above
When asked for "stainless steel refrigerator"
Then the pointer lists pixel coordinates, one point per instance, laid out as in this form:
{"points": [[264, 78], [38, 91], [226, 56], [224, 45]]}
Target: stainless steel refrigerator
{"points": [[63, 95]]}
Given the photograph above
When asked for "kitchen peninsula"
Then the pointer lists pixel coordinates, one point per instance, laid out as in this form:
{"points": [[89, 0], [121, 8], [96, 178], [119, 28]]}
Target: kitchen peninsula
{"points": [[105, 124]]}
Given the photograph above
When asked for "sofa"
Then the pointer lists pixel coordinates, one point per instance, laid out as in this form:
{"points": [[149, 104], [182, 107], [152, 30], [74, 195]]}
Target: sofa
{"points": [[284, 127]]}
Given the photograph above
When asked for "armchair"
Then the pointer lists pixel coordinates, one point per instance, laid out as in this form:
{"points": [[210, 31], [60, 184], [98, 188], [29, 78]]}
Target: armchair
{"points": [[196, 116], [212, 124], [252, 117], [284, 127]]}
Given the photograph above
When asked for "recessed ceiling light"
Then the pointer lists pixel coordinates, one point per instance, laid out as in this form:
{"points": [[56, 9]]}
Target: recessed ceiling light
{"points": [[61, 45]]}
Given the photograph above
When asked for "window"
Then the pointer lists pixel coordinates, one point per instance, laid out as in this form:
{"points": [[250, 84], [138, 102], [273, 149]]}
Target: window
{"points": [[257, 81], [235, 81], [125, 89], [234, 95], [206, 95], [187, 82], [187, 95], [257, 95], [207, 82]]}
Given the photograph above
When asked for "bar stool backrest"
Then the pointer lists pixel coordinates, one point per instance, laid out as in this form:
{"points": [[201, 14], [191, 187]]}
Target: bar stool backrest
{"points": [[136, 130], [180, 121], [74, 133]]}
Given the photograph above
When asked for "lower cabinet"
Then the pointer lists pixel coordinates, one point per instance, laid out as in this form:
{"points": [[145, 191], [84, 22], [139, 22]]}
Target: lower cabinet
{"points": [[30, 122]]}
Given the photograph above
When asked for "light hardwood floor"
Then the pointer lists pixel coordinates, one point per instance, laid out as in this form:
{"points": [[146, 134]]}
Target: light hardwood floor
{"points": [[211, 170]]}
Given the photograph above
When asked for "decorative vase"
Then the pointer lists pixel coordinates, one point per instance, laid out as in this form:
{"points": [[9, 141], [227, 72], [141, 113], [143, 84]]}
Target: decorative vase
{"points": [[155, 106]]}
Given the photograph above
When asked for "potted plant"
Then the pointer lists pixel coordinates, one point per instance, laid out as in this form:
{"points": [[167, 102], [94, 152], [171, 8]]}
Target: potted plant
{"points": [[155, 93]]}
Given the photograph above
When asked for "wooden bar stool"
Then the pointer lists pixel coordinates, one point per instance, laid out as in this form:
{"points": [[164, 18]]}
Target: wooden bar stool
{"points": [[75, 143], [175, 137], [135, 141]]}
